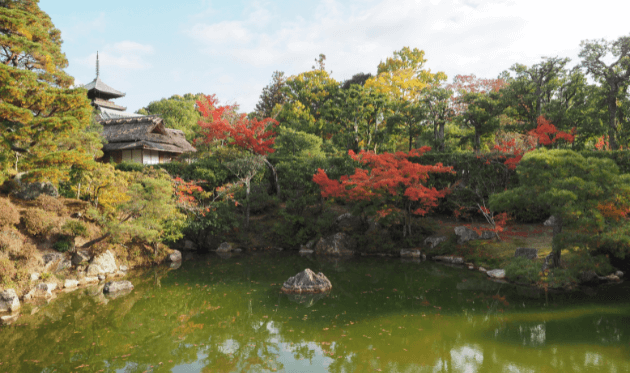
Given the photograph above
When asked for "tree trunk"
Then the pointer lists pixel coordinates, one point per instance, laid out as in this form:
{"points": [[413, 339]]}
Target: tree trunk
{"points": [[273, 177], [477, 145], [612, 123], [557, 229], [247, 184], [441, 135]]}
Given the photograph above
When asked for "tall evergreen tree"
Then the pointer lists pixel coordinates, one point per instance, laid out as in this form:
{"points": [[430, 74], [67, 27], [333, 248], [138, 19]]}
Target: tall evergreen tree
{"points": [[42, 119]]}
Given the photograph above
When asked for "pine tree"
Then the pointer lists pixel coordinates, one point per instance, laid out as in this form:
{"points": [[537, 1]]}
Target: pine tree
{"points": [[42, 119]]}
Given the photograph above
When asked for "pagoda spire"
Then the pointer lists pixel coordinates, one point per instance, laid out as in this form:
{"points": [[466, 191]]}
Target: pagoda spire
{"points": [[97, 65]]}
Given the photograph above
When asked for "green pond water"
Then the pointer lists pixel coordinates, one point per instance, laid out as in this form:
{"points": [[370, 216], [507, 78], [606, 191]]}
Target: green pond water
{"points": [[218, 314]]}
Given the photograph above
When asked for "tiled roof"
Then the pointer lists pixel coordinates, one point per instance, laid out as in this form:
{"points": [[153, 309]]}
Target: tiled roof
{"points": [[101, 87]]}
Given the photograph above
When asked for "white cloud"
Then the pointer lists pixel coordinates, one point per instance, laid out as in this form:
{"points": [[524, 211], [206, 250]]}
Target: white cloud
{"points": [[483, 37], [125, 55]]}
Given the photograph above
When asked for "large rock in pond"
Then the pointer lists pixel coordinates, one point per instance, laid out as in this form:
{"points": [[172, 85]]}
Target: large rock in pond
{"points": [[526, 252], [307, 281], [103, 264], [9, 301], [337, 244], [117, 286]]}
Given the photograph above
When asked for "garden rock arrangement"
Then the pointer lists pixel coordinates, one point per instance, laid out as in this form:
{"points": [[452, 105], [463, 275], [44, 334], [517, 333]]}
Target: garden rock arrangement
{"points": [[337, 244], [31, 191], [465, 234], [307, 281], [450, 259]]}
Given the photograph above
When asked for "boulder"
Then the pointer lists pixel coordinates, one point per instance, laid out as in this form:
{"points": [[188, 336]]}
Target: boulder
{"points": [[337, 244], [487, 235], [63, 264], [526, 252], [550, 222], [410, 253], [496, 273], [90, 280], [307, 281], [465, 234], [81, 256], [174, 257], [189, 245], [103, 264], [451, 259], [175, 265], [9, 301], [432, 242], [31, 191], [610, 278], [116, 286], [69, 284], [50, 259], [43, 290], [349, 223], [225, 247]]}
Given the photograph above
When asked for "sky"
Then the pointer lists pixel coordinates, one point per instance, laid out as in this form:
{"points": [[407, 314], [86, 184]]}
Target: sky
{"points": [[153, 49]]}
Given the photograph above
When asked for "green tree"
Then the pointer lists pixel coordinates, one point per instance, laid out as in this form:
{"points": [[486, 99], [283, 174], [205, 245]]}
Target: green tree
{"points": [[481, 114], [42, 119], [271, 96], [614, 76], [178, 112], [586, 194]]}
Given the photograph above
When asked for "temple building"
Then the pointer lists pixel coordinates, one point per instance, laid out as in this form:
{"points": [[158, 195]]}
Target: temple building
{"points": [[133, 137]]}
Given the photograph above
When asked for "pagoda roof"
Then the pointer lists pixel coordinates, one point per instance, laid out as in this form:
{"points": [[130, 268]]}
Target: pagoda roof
{"points": [[104, 91], [100, 103]]}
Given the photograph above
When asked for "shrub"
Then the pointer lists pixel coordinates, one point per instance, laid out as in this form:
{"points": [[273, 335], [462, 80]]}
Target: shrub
{"points": [[9, 214], [62, 245], [74, 228], [129, 166], [523, 270], [7, 271], [39, 222], [51, 204], [11, 242]]}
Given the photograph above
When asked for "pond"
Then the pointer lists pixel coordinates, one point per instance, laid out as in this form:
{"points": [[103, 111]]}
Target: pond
{"points": [[218, 314]]}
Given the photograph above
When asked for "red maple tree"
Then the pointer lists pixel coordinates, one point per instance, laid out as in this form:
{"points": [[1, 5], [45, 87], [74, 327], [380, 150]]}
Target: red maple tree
{"points": [[221, 122], [389, 174]]}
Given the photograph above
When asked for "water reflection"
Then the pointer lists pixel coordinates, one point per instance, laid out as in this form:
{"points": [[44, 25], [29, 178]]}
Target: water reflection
{"points": [[228, 315]]}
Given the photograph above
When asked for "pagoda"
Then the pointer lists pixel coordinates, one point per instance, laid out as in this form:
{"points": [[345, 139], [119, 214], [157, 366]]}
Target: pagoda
{"points": [[100, 94]]}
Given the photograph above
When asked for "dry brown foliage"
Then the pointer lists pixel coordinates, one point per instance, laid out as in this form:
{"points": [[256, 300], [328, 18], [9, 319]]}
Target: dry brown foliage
{"points": [[38, 222], [9, 214], [51, 204]]}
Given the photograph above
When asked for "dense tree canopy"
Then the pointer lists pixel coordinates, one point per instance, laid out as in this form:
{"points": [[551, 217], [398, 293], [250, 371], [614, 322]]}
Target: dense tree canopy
{"points": [[43, 120]]}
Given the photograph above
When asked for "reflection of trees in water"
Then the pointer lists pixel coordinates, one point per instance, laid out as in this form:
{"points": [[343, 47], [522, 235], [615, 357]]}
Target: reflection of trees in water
{"points": [[307, 300]]}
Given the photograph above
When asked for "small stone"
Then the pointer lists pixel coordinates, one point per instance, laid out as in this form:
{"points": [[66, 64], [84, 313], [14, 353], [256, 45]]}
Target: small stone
{"points": [[612, 278], [101, 277], [92, 280], [496, 273], [410, 253], [432, 242], [34, 276], [116, 286], [305, 251], [174, 257], [526, 252], [63, 264], [449, 259], [424, 257], [481, 269], [124, 268], [307, 281], [68, 284], [9, 301], [471, 267]]}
